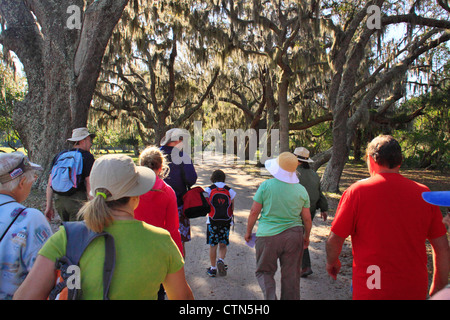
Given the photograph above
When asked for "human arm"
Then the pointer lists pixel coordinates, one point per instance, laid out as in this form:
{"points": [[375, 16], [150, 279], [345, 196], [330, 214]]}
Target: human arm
{"points": [[49, 211], [190, 174], [333, 250], [39, 282], [87, 183], [322, 204], [441, 261], [177, 287], [307, 225], [255, 210]]}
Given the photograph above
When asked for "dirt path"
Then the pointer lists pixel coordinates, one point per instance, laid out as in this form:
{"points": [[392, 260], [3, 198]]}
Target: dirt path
{"points": [[240, 283]]}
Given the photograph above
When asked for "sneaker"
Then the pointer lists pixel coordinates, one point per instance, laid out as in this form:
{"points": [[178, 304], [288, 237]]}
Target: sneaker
{"points": [[222, 267], [211, 272]]}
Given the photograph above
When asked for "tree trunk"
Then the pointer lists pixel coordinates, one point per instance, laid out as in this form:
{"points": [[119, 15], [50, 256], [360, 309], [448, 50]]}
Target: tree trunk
{"points": [[61, 53], [283, 106]]}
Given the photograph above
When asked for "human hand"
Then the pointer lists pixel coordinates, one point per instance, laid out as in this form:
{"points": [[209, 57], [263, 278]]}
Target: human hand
{"points": [[49, 213], [248, 236], [324, 215], [305, 243], [333, 269]]}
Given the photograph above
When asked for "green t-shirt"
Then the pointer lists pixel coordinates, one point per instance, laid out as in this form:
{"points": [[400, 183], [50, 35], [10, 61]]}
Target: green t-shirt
{"points": [[144, 256], [282, 204]]}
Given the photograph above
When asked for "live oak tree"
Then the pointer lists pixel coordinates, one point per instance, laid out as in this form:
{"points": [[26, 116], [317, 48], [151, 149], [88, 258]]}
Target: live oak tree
{"points": [[142, 77], [60, 45], [351, 95]]}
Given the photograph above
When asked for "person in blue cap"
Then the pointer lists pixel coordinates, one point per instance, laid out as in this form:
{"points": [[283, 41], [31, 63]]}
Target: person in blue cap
{"points": [[442, 199]]}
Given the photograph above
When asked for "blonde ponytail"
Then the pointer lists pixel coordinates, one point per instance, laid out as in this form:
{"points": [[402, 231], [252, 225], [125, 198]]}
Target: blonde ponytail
{"points": [[97, 213]]}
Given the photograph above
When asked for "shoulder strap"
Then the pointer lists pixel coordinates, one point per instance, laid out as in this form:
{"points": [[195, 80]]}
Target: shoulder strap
{"points": [[79, 237], [213, 186], [12, 222]]}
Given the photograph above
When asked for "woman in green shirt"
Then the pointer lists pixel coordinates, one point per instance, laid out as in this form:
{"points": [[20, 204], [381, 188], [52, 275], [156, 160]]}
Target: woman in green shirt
{"points": [[283, 229], [146, 256]]}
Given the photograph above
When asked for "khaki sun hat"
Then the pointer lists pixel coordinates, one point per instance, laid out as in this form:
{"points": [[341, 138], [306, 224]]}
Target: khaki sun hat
{"points": [[79, 134], [284, 167], [15, 164], [121, 177], [302, 154]]}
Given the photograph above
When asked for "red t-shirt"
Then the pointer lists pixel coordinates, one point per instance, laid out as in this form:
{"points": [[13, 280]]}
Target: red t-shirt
{"points": [[389, 223], [159, 208]]}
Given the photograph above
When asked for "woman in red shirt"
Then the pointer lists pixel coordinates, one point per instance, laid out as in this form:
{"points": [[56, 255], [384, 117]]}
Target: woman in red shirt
{"points": [[158, 207]]}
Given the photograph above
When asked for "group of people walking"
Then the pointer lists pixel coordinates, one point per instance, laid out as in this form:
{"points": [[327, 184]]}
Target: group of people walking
{"points": [[141, 207]]}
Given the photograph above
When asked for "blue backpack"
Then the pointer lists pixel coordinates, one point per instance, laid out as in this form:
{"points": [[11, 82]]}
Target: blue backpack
{"points": [[66, 172], [78, 239]]}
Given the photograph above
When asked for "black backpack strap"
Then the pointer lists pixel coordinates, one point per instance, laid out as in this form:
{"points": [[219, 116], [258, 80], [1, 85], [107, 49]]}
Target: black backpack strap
{"points": [[78, 239], [213, 186], [12, 222]]}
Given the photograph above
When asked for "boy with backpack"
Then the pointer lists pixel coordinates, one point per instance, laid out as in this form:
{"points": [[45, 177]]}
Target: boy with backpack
{"points": [[221, 199]]}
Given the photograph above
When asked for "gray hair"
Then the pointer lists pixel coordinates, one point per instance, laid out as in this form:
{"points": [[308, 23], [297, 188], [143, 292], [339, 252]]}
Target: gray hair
{"points": [[11, 185]]}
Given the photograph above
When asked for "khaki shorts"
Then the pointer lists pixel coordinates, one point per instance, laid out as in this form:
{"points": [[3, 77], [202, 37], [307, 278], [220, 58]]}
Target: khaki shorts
{"points": [[68, 206]]}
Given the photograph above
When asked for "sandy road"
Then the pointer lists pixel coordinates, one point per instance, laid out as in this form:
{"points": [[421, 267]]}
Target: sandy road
{"points": [[240, 282]]}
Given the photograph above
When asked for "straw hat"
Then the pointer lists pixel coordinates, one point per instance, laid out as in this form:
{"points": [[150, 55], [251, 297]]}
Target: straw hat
{"points": [[284, 167], [302, 154], [79, 134], [121, 177]]}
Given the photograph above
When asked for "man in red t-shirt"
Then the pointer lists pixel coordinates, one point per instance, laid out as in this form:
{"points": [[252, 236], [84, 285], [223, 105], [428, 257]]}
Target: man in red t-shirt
{"points": [[389, 222]]}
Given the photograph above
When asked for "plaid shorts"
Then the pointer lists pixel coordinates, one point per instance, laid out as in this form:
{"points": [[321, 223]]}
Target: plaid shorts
{"points": [[217, 234]]}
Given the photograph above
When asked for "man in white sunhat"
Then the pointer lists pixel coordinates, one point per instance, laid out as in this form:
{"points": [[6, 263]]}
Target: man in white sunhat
{"points": [[282, 205], [311, 181], [68, 203], [23, 230]]}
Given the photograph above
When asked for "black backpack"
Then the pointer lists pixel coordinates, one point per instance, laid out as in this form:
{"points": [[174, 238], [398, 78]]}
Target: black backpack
{"points": [[221, 212]]}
